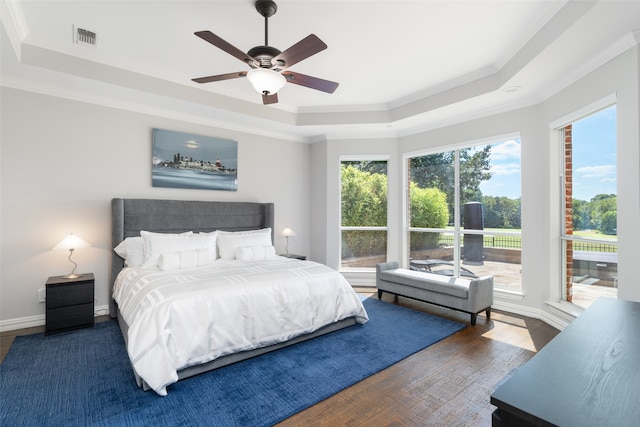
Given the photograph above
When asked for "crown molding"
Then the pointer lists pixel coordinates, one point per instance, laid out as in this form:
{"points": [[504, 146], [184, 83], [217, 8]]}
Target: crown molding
{"points": [[154, 109], [617, 48]]}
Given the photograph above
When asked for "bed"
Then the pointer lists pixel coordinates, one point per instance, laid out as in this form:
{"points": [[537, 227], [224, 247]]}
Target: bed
{"points": [[188, 311]]}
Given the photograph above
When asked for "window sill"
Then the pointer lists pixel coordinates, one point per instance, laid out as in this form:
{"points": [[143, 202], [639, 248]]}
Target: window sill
{"points": [[508, 294], [561, 313]]}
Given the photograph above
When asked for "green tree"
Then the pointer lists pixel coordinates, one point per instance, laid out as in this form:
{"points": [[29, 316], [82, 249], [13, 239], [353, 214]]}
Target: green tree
{"points": [[609, 223], [598, 207], [474, 169], [428, 210], [364, 203], [581, 214], [364, 198], [501, 212], [437, 171]]}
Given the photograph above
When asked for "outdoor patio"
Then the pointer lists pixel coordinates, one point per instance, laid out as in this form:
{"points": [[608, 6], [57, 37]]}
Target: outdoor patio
{"points": [[509, 276]]}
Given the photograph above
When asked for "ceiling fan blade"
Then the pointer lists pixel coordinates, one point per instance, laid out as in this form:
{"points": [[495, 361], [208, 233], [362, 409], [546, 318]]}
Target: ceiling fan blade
{"points": [[269, 99], [220, 77], [310, 82], [226, 46], [306, 47]]}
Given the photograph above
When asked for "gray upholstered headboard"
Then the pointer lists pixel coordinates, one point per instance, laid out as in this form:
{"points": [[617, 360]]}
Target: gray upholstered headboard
{"points": [[130, 216]]}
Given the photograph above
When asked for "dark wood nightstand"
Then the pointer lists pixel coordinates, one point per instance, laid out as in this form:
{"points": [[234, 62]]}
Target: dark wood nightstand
{"points": [[300, 257], [69, 303]]}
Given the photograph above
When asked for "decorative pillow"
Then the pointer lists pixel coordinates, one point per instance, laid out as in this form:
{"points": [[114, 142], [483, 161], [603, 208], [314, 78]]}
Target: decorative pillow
{"points": [[131, 250], [247, 253], [229, 241], [214, 235], [185, 259], [156, 244]]}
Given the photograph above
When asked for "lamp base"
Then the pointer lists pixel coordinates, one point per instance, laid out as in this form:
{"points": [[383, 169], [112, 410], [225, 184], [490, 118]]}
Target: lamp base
{"points": [[72, 276]]}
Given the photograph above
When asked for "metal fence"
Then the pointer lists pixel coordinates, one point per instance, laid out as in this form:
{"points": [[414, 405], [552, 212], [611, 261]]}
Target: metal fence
{"points": [[515, 242], [506, 242], [594, 247]]}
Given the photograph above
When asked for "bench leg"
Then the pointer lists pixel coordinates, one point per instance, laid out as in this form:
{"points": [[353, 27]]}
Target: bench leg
{"points": [[474, 316]]}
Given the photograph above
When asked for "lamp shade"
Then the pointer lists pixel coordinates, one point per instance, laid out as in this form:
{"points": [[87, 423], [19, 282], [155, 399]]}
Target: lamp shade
{"points": [[287, 232], [266, 81], [71, 242]]}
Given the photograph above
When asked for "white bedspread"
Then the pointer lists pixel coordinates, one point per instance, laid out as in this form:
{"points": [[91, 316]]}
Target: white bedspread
{"points": [[187, 317]]}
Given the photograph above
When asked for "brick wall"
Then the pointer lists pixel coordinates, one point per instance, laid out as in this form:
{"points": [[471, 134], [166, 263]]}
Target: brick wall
{"points": [[568, 214]]}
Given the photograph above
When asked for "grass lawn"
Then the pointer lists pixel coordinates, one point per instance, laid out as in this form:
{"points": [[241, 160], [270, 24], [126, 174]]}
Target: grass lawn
{"points": [[594, 234], [514, 242]]}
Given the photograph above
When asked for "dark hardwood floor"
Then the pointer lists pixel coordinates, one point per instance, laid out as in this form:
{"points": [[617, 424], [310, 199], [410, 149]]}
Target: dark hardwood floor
{"points": [[446, 384]]}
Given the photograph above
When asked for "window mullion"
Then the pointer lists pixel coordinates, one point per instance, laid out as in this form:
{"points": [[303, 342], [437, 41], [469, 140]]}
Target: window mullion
{"points": [[456, 215]]}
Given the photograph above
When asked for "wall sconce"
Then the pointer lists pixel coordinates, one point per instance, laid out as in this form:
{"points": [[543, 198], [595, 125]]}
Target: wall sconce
{"points": [[287, 232], [71, 243]]}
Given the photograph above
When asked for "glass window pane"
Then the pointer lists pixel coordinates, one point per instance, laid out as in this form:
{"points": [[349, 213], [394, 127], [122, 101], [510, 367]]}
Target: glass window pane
{"points": [[430, 245], [431, 190], [363, 205], [363, 248], [590, 208], [489, 200], [594, 272], [364, 194], [502, 258]]}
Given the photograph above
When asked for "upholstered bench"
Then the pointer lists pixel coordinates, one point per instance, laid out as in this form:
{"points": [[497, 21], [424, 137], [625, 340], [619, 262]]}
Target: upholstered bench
{"points": [[469, 296]]}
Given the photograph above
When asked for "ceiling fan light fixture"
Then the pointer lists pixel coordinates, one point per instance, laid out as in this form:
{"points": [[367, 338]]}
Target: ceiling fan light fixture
{"points": [[266, 81]]}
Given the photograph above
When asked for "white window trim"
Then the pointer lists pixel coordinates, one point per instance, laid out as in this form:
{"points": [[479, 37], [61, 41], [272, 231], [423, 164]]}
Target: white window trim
{"points": [[357, 158], [457, 230], [556, 127]]}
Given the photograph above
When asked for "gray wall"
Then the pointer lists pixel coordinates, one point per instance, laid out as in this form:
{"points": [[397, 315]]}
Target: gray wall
{"points": [[61, 163], [541, 270]]}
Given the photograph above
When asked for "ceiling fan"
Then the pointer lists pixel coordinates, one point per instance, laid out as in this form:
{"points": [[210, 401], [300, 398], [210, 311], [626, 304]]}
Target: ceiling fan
{"points": [[269, 65]]}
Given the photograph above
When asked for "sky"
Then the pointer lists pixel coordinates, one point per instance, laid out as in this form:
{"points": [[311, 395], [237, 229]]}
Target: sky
{"points": [[594, 160], [505, 169], [166, 143], [594, 155]]}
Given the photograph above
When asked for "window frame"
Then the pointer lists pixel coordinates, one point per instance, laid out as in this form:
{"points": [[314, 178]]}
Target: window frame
{"points": [[458, 231], [357, 158], [558, 293]]}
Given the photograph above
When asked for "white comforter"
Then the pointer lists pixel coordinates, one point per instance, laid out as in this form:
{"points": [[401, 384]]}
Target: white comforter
{"points": [[187, 317]]}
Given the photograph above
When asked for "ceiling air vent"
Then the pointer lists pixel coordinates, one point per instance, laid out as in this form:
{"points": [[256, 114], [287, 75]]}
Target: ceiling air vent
{"points": [[85, 37]]}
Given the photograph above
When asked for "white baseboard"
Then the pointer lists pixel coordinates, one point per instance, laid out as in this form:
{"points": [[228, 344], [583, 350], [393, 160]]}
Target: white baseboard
{"points": [[39, 320], [360, 278], [22, 323]]}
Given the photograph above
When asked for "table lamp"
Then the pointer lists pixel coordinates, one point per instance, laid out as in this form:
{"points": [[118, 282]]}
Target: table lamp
{"points": [[71, 243], [287, 232]]}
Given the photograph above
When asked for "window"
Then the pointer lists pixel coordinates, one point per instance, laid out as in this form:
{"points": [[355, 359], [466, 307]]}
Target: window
{"points": [[463, 212], [590, 236], [363, 213]]}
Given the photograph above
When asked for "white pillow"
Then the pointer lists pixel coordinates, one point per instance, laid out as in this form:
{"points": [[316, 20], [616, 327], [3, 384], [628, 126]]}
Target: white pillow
{"points": [[185, 259], [213, 234], [156, 244], [229, 241], [131, 250], [247, 253]]}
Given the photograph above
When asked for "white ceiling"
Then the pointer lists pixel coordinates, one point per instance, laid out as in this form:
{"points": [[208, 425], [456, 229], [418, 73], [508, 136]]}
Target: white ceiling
{"points": [[403, 66]]}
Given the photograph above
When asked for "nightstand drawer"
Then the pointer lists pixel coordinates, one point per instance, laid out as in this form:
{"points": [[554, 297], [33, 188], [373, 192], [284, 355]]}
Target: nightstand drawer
{"points": [[69, 303], [67, 318], [71, 294]]}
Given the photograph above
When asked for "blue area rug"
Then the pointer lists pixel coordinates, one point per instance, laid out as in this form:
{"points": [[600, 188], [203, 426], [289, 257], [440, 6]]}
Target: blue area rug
{"points": [[84, 377]]}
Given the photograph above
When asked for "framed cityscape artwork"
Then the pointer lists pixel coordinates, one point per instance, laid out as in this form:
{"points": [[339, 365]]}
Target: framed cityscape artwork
{"points": [[186, 160]]}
